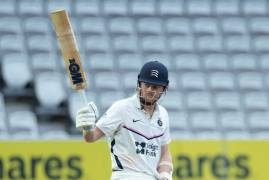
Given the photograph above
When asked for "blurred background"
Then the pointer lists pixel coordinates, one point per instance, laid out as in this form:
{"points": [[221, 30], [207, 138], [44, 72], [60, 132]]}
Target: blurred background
{"points": [[216, 51]]}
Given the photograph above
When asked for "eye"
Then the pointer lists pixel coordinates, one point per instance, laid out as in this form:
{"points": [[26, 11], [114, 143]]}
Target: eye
{"points": [[147, 85]]}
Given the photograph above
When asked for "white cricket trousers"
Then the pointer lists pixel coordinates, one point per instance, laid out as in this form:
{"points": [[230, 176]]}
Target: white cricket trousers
{"points": [[130, 175]]}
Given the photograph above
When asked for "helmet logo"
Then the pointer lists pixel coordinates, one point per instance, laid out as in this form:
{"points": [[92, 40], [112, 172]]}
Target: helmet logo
{"points": [[154, 73]]}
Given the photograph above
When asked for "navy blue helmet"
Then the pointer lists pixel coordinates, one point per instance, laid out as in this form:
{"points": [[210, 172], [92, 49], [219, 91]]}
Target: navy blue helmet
{"points": [[154, 72]]}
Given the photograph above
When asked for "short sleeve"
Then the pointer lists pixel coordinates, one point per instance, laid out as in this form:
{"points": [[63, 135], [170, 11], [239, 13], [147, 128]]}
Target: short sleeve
{"points": [[110, 122], [166, 138]]}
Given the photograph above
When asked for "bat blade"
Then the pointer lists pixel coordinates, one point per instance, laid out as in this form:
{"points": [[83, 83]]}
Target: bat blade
{"points": [[69, 49]]}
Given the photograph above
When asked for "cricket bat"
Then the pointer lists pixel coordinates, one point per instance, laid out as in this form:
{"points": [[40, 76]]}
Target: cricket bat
{"points": [[69, 50]]}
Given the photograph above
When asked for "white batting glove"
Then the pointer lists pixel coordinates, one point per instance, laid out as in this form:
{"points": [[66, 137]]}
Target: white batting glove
{"points": [[87, 116], [165, 176]]}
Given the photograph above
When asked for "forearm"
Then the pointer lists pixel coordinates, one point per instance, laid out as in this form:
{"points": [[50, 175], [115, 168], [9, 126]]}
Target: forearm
{"points": [[92, 135], [165, 167], [165, 160]]}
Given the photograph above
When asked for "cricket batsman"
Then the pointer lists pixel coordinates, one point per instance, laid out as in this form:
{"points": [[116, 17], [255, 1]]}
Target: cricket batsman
{"points": [[137, 129]]}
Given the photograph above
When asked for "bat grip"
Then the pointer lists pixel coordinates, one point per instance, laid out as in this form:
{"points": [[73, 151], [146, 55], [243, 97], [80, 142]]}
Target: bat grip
{"points": [[83, 96]]}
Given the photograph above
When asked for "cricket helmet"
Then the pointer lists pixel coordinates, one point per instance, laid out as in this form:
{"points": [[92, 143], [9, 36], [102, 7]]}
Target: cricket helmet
{"points": [[154, 72]]}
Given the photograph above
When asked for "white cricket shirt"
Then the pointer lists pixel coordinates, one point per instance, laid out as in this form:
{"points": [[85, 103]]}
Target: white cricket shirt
{"points": [[135, 139]]}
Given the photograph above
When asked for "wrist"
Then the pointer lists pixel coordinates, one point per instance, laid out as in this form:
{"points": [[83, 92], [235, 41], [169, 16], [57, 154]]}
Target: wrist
{"points": [[86, 129]]}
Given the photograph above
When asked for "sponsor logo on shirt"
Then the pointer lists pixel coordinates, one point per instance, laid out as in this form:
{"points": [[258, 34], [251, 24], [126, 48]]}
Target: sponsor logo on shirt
{"points": [[136, 120], [146, 149]]}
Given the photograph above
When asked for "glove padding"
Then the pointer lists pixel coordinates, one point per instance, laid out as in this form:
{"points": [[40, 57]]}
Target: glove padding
{"points": [[165, 176], [87, 116]]}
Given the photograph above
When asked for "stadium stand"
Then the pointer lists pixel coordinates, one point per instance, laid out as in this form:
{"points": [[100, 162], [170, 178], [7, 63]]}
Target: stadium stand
{"points": [[216, 52]]}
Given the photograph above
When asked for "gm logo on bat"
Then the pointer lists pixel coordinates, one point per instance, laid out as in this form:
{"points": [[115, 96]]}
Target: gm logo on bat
{"points": [[75, 72]]}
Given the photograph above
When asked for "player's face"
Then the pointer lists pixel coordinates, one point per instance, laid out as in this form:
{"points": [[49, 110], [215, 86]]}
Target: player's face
{"points": [[150, 92]]}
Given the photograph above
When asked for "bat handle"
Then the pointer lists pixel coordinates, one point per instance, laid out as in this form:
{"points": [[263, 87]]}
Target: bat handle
{"points": [[83, 96]]}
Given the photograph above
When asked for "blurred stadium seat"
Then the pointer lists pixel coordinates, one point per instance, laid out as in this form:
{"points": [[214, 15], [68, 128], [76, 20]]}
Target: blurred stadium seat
{"points": [[96, 44], [234, 26], [116, 8], [35, 46], [210, 44], [178, 120], [199, 7], [193, 81], [107, 81], [10, 25], [92, 26], [49, 89], [8, 8], [16, 71], [143, 8], [36, 25], [107, 98], [23, 125], [221, 81], [177, 26], [31, 8], [244, 62], [199, 101], [181, 65], [121, 26], [259, 25], [203, 121], [171, 7], [87, 8], [237, 44], [232, 121], [125, 44], [227, 101], [257, 8], [130, 62], [100, 62], [149, 26], [44, 62], [216, 62], [205, 26], [173, 101], [227, 7], [258, 121], [176, 45], [153, 44], [11, 44]]}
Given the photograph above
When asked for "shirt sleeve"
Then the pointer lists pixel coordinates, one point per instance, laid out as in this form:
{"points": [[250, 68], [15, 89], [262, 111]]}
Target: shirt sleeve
{"points": [[110, 122], [166, 138]]}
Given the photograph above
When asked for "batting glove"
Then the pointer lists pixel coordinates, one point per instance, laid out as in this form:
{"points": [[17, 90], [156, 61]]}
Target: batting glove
{"points": [[165, 176], [87, 116]]}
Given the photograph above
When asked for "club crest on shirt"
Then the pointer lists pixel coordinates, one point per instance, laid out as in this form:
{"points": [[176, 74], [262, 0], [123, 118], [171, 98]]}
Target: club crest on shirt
{"points": [[160, 123]]}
